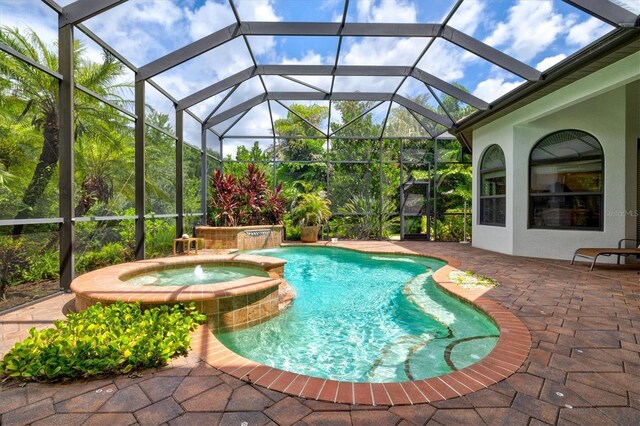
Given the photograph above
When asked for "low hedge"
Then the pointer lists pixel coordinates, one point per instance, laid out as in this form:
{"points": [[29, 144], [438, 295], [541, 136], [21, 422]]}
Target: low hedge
{"points": [[99, 341]]}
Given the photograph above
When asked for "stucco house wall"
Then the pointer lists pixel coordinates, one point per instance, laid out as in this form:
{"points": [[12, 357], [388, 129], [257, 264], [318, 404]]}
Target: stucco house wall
{"points": [[604, 104]]}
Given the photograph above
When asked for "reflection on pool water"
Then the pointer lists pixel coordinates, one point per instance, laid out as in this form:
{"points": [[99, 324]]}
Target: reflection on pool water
{"points": [[195, 275], [365, 318]]}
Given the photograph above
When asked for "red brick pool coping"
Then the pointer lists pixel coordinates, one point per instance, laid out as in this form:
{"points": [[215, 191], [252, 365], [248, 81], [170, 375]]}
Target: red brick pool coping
{"points": [[504, 360]]}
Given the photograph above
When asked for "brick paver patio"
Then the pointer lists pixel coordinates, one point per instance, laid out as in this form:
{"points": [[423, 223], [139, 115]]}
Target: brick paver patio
{"points": [[583, 367]]}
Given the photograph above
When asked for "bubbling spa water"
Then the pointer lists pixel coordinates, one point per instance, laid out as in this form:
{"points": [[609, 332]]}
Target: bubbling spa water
{"points": [[199, 274]]}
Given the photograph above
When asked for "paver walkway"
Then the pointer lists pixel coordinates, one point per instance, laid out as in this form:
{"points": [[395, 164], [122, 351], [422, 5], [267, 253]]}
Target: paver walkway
{"points": [[583, 368]]}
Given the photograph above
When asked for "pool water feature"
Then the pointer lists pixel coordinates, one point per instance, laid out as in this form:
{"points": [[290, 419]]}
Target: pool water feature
{"points": [[365, 318], [199, 274]]}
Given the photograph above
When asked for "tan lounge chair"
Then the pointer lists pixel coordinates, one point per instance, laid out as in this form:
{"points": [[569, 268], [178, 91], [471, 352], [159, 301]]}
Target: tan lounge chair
{"points": [[593, 253]]}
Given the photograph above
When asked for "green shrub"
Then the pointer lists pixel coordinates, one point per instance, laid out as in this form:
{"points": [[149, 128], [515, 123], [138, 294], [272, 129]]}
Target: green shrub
{"points": [[452, 228], [45, 265], [103, 340], [111, 254], [13, 262], [292, 232]]}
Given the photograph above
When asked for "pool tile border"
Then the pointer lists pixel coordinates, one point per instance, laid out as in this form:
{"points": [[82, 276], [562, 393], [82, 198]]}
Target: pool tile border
{"points": [[510, 352]]}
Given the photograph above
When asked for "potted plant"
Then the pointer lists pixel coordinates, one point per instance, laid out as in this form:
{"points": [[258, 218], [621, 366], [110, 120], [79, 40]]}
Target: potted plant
{"points": [[310, 212]]}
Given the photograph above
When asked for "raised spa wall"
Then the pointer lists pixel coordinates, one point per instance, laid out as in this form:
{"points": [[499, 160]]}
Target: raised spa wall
{"points": [[240, 237], [229, 306]]}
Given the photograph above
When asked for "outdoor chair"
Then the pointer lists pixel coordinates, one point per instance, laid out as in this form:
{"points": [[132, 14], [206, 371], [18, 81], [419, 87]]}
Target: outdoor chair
{"points": [[593, 253]]}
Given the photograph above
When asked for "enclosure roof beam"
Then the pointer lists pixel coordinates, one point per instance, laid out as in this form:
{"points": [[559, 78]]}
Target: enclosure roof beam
{"points": [[607, 11], [188, 52], [335, 29], [216, 88], [81, 10], [295, 69], [336, 96], [310, 86], [491, 54], [11, 51], [449, 89], [223, 134], [345, 70], [332, 29], [420, 123], [445, 121], [233, 111], [100, 42], [301, 118]]}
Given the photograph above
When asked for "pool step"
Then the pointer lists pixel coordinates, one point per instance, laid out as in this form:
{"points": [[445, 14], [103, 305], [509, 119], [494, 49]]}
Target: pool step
{"points": [[415, 292], [393, 357]]}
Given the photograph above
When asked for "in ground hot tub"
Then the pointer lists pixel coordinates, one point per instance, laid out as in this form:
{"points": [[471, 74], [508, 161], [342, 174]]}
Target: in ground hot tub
{"points": [[234, 291]]}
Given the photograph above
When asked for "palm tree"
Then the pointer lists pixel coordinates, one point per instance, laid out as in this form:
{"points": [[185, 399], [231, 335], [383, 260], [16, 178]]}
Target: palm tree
{"points": [[40, 94]]}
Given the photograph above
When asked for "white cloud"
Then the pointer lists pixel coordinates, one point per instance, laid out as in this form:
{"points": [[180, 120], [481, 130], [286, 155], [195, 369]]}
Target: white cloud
{"points": [[382, 51], [492, 88], [206, 69], [211, 16], [468, 16], [32, 14], [444, 61], [257, 10], [586, 32], [310, 58], [550, 61], [532, 26], [141, 30], [386, 11], [257, 122]]}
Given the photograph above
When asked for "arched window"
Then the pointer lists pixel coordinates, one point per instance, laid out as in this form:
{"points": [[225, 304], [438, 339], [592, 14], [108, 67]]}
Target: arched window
{"points": [[566, 176], [493, 185]]}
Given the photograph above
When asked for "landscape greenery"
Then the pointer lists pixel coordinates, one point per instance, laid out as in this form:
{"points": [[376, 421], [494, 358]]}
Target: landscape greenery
{"points": [[244, 201], [361, 178], [114, 339]]}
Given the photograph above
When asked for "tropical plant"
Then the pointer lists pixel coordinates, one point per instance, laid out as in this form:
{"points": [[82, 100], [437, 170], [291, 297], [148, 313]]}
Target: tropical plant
{"points": [[115, 339], [246, 201], [39, 93], [223, 204], [311, 209], [363, 219]]}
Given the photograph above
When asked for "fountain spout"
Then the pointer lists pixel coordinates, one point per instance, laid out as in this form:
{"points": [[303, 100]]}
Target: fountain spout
{"points": [[198, 272]]}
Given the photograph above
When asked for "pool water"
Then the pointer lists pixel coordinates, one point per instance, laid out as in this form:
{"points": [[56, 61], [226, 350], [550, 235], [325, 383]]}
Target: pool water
{"points": [[365, 318], [195, 275]]}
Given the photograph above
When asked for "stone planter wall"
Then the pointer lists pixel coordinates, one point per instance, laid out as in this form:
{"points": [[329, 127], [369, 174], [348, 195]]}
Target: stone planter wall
{"points": [[241, 237]]}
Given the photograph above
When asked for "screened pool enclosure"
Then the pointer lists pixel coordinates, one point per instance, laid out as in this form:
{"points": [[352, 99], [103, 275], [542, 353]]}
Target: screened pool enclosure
{"points": [[115, 112]]}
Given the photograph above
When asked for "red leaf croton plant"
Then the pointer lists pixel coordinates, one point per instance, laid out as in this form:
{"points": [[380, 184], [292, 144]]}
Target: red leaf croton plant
{"points": [[246, 201]]}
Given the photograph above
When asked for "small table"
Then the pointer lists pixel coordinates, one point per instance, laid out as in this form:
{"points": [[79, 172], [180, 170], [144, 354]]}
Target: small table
{"points": [[187, 242]]}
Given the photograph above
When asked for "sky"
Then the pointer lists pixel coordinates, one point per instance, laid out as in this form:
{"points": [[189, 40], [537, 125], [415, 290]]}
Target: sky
{"points": [[540, 33]]}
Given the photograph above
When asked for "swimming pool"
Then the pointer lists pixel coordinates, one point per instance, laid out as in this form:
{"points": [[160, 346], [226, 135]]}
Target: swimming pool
{"points": [[365, 318]]}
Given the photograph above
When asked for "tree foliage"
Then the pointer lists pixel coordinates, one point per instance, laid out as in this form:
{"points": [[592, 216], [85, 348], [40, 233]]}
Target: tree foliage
{"points": [[38, 93]]}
